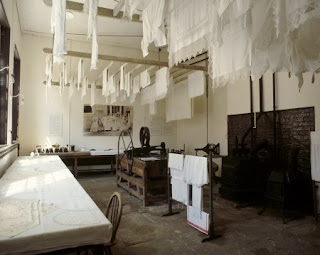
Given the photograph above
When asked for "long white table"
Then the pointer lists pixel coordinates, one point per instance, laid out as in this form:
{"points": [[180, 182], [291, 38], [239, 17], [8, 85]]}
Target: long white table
{"points": [[43, 208]]}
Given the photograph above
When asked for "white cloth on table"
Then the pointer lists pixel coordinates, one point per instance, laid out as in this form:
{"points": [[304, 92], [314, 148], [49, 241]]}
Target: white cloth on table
{"points": [[161, 83], [179, 190], [58, 29], [176, 161], [144, 79], [196, 170], [49, 210], [189, 24], [93, 94], [178, 103], [196, 84], [152, 23], [315, 156], [80, 72], [199, 223]]}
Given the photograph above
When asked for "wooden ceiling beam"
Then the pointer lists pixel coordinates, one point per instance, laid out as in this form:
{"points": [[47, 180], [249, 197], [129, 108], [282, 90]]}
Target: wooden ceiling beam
{"points": [[129, 60], [104, 12]]}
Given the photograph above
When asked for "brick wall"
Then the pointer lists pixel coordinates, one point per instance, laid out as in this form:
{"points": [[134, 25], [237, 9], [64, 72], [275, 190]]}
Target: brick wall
{"points": [[293, 127]]}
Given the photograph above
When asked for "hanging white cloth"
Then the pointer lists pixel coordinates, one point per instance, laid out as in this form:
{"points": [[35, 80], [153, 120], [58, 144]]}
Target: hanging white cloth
{"points": [[178, 104], [133, 98], [60, 83], [144, 79], [80, 72], [199, 223], [91, 8], [105, 92], [197, 200], [147, 95], [128, 83], [111, 84], [84, 88], [196, 170], [113, 98], [188, 28], [153, 108], [136, 85], [196, 84], [176, 161], [161, 83], [179, 190], [58, 29], [122, 85], [315, 156], [93, 94], [71, 87], [49, 70], [65, 75], [152, 22]]}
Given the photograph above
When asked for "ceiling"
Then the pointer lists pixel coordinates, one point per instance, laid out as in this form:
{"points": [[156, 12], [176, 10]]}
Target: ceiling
{"points": [[35, 18]]}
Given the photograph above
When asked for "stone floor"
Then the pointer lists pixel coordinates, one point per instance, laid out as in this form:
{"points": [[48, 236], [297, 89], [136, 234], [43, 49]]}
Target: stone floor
{"points": [[143, 231]]}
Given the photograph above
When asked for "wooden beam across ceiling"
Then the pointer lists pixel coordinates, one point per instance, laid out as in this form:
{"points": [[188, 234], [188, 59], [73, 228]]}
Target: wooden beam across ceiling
{"points": [[104, 12], [129, 60]]}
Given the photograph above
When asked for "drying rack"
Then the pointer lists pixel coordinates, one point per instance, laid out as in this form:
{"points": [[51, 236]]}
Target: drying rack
{"points": [[210, 150]]}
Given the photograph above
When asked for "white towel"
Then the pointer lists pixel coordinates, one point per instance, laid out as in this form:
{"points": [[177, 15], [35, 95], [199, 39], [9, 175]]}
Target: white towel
{"points": [[196, 82], [84, 87], [128, 84], [144, 78], [136, 85], [176, 161], [315, 156], [80, 72], [122, 87], [71, 87], [93, 94], [197, 200], [179, 190], [105, 82], [196, 170], [49, 70], [61, 83], [111, 85], [153, 108], [202, 223]]}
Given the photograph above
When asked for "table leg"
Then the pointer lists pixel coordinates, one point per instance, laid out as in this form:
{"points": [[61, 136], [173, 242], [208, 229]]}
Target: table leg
{"points": [[75, 167]]}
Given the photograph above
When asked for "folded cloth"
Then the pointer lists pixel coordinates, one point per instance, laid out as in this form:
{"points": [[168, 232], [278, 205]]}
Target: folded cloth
{"points": [[179, 190], [176, 161], [315, 156], [196, 83], [195, 170]]}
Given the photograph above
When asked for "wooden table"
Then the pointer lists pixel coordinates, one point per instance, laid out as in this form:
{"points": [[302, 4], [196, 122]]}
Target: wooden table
{"points": [[44, 209], [86, 157], [148, 180]]}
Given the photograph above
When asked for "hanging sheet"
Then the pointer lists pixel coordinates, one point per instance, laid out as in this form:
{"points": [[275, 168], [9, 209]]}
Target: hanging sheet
{"points": [[93, 94], [61, 82], [122, 85], [196, 84], [196, 170], [58, 29], [84, 88], [188, 28], [148, 95], [136, 85], [80, 72], [145, 79], [71, 87], [161, 83], [105, 91], [153, 108], [178, 103], [152, 23], [49, 71]]}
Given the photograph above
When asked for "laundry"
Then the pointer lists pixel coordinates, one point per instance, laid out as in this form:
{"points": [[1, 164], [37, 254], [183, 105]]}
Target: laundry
{"points": [[196, 84], [144, 79], [179, 190], [196, 170], [161, 83], [80, 72], [176, 161]]}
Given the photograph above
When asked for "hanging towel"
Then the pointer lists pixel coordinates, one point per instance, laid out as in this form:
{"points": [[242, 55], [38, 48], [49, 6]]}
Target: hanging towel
{"points": [[147, 95], [122, 78], [91, 8], [144, 78], [153, 108], [136, 85], [113, 98], [104, 82], [71, 87], [84, 87], [61, 83], [65, 75], [201, 224], [128, 84], [152, 18], [315, 156], [93, 94], [161, 83], [197, 200], [179, 190], [58, 29], [133, 98], [176, 161], [111, 85], [48, 70], [196, 84], [80, 72], [196, 170]]}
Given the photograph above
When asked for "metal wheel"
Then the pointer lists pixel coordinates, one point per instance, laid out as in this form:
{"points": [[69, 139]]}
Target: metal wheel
{"points": [[128, 148], [145, 137]]}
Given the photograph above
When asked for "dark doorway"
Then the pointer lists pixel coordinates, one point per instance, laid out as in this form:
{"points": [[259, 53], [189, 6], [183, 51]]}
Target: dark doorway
{"points": [[16, 96]]}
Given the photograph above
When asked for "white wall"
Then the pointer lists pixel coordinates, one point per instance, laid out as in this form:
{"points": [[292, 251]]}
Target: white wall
{"points": [[15, 41], [34, 114]]}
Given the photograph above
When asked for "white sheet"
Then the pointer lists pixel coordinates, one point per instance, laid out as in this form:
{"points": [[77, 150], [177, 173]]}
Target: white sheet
{"points": [[179, 190], [196, 170], [202, 223], [72, 218], [176, 161], [196, 84]]}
